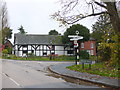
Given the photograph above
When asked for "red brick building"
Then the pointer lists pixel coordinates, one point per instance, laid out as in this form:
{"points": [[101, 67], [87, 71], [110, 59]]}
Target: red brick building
{"points": [[1, 47], [89, 46], [8, 44]]}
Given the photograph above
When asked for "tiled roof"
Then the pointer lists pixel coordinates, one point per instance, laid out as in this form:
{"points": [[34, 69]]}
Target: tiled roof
{"points": [[37, 39]]}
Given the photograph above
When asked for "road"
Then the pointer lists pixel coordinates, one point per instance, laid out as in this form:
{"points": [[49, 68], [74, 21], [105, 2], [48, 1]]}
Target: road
{"points": [[34, 74]]}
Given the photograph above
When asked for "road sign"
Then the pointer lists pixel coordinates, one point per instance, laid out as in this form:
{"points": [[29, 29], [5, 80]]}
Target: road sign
{"points": [[75, 41], [74, 36], [79, 37], [72, 39], [76, 45]]}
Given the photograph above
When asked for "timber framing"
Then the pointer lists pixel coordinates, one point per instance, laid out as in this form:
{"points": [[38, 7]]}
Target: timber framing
{"points": [[40, 48]]}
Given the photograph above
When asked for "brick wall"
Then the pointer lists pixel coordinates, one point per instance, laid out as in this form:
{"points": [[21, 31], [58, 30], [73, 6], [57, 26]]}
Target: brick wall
{"points": [[90, 46]]}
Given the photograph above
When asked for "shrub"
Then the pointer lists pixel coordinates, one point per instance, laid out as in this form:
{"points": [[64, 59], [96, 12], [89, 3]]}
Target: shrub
{"points": [[84, 54], [110, 52], [92, 57], [31, 55], [115, 57], [9, 50], [104, 52], [5, 51]]}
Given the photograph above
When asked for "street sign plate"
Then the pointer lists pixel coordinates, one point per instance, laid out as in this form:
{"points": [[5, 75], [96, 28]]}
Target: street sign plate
{"points": [[75, 46], [80, 38], [74, 36], [72, 39]]}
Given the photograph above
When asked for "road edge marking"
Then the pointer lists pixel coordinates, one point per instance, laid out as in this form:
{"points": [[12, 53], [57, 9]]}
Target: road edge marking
{"points": [[13, 80]]}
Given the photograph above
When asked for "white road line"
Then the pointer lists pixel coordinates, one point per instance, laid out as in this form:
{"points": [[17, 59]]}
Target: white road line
{"points": [[13, 80]]}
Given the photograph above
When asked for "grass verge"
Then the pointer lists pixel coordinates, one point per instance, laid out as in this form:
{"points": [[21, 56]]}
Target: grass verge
{"points": [[98, 68], [40, 58]]}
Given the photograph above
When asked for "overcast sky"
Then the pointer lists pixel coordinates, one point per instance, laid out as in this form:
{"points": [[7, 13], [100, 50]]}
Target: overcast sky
{"points": [[34, 16]]}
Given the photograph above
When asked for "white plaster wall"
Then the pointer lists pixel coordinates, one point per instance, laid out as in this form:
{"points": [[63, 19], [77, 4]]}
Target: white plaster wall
{"points": [[59, 52], [59, 48]]}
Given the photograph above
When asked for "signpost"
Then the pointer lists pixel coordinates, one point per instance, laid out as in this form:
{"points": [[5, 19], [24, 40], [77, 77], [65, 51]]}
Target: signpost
{"points": [[75, 38]]}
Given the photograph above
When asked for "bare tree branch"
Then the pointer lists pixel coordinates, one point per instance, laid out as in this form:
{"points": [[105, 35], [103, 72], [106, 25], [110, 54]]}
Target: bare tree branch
{"points": [[94, 14], [109, 8], [69, 6], [101, 5], [92, 8]]}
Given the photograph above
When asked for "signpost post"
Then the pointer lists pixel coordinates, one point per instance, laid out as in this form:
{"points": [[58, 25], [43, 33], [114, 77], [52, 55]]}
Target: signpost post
{"points": [[75, 38]]}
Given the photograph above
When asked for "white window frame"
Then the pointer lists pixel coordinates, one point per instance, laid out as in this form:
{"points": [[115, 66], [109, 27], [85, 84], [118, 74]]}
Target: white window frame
{"points": [[92, 45], [89, 52], [92, 52], [82, 45]]}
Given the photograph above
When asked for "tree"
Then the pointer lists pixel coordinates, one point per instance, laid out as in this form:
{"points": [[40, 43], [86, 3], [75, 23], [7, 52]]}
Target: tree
{"points": [[5, 31], [3, 15], [83, 31], [102, 29], [53, 32], [110, 52], [6, 34], [84, 54], [21, 30], [66, 16], [108, 48]]}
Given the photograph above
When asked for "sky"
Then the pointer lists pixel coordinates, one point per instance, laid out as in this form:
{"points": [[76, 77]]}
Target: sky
{"points": [[34, 16]]}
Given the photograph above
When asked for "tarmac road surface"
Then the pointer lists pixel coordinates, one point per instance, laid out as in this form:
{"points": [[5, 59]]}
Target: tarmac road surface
{"points": [[34, 74]]}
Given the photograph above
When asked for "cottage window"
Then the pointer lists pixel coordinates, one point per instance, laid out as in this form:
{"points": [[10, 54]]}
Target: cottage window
{"points": [[70, 52], [44, 53], [25, 51], [92, 45], [82, 45], [32, 51]]}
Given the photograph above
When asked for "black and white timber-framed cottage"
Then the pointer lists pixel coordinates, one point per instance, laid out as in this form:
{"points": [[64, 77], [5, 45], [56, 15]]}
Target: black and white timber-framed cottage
{"points": [[40, 45]]}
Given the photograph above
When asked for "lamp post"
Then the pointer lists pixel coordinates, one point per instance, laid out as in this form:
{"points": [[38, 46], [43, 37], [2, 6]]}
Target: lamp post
{"points": [[75, 38]]}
